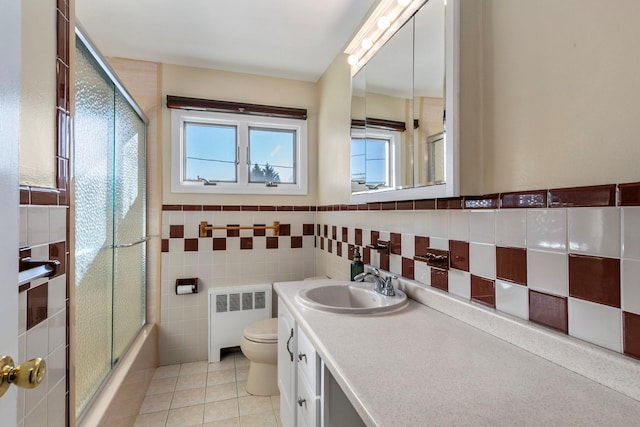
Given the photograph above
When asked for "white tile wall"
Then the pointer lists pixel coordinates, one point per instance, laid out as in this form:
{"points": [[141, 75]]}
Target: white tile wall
{"points": [[459, 225], [596, 323], [631, 285], [511, 228], [482, 260], [408, 246], [594, 231], [482, 227], [422, 273], [548, 272], [631, 232], [460, 283], [547, 229], [512, 299]]}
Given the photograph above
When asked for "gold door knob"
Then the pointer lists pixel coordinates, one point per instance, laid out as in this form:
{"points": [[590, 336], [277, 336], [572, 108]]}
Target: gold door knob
{"points": [[28, 374]]}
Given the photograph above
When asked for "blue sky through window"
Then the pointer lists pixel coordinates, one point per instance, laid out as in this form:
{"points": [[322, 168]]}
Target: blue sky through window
{"points": [[210, 152], [369, 160], [275, 147]]}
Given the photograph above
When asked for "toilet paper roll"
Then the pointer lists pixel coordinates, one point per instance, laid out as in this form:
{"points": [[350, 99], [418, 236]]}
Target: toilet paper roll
{"points": [[184, 289]]}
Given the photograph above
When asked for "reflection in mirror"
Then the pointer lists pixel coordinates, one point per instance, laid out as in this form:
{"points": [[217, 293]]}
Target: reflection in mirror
{"points": [[400, 139]]}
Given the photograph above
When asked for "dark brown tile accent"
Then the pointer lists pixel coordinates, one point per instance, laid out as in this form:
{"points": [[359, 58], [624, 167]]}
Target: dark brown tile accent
{"points": [[358, 236], [344, 207], [219, 244], [421, 243], [307, 229], [322, 243], [384, 261], [251, 208], [374, 206], [176, 231], [62, 44], [451, 203], [330, 246], [62, 84], [352, 207], [511, 265], [595, 279], [171, 207], [272, 242], [339, 249], [396, 243], [597, 195], [37, 305], [267, 208], [408, 268], [459, 255], [524, 199], [375, 236], [301, 209], [44, 196], [24, 287], [345, 234], [548, 310], [231, 208], [63, 199], [483, 290], [211, 208], [285, 230], [388, 206], [190, 245], [350, 251], [317, 229], [363, 207], [489, 201], [440, 279], [326, 230], [192, 208], [296, 242], [25, 195], [165, 245], [631, 322], [629, 194], [406, 205], [58, 252], [259, 231], [366, 255], [334, 232], [246, 243], [426, 204], [285, 208], [233, 233]]}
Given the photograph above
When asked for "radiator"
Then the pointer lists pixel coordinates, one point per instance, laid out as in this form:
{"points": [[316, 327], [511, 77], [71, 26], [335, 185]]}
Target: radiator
{"points": [[230, 310]]}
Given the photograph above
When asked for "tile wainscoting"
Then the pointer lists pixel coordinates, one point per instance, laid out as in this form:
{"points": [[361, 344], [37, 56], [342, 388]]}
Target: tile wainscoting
{"points": [[226, 258], [567, 259]]}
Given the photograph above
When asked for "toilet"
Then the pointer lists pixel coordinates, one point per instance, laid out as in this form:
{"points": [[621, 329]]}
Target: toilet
{"points": [[260, 345]]}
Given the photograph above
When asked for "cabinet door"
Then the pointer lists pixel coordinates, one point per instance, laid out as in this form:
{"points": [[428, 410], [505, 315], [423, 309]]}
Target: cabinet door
{"points": [[286, 366]]}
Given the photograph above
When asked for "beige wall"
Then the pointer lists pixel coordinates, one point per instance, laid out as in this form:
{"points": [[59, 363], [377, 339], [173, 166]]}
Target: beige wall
{"points": [[561, 86], [226, 86], [38, 102]]}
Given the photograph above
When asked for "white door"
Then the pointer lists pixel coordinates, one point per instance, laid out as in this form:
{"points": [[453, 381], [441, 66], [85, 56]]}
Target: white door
{"points": [[10, 30]]}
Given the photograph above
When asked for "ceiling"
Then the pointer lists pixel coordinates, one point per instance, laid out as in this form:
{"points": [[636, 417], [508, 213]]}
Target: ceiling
{"points": [[296, 39]]}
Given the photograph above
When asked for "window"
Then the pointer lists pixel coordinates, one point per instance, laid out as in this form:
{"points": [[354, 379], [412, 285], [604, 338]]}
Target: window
{"points": [[373, 160], [237, 153]]}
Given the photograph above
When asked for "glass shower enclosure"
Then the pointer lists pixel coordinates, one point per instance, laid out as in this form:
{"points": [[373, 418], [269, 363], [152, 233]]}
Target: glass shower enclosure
{"points": [[110, 221]]}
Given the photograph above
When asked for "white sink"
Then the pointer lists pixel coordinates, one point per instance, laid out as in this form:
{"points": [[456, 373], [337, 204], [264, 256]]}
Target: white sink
{"points": [[350, 298]]}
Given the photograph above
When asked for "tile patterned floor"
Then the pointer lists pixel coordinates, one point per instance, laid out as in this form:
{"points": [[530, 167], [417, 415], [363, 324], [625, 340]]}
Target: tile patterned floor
{"points": [[208, 395]]}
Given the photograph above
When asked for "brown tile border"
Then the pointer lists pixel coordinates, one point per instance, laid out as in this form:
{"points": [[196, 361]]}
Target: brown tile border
{"points": [[598, 195], [408, 268], [37, 305], [631, 322], [483, 290], [44, 196], [440, 279], [511, 265], [595, 279], [490, 201], [459, 255], [629, 194], [450, 203], [524, 199], [549, 310]]}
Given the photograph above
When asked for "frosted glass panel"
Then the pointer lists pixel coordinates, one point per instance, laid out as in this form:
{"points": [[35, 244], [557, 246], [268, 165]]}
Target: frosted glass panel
{"points": [[129, 217], [94, 136]]}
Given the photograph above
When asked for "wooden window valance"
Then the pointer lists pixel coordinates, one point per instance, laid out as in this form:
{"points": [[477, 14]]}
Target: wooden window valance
{"points": [[185, 103]]}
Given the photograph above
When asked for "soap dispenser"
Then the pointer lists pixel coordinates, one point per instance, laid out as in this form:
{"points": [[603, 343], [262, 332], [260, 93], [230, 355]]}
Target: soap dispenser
{"points": [[357, 266]]}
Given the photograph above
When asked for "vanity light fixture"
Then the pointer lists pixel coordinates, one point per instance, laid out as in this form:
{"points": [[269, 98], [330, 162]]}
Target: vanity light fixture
{"points": [[379, 26]]}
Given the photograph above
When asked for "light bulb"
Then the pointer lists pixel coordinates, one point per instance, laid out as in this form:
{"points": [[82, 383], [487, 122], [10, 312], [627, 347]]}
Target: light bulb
{"points": [[383, 23], [403, 3], [353, 59], [367, 43]]}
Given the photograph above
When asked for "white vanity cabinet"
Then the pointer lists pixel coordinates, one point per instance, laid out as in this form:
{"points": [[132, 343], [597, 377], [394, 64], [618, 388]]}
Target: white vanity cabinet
{"points": [[299, 374]]}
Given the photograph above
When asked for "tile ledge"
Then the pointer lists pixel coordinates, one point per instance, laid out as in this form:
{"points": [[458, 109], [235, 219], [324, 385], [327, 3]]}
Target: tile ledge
{"points": [[603, 366]]}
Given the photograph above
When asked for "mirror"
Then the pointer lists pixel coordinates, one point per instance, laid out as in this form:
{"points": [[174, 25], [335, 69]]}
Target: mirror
{"points": [[401, 145]]}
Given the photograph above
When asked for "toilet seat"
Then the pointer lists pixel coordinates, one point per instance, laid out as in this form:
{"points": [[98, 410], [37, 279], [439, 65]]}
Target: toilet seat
{"points": [[262, 331]]}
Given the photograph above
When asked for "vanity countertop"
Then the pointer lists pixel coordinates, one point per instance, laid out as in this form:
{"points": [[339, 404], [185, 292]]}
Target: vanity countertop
{"points": [[421, 367]]}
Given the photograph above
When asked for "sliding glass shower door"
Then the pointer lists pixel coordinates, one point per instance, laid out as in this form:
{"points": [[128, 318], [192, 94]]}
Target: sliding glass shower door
{"points": [[110, 224]]}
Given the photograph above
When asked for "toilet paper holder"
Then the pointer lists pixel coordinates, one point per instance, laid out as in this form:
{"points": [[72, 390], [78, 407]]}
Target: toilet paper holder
{"points": [[187, 286]]}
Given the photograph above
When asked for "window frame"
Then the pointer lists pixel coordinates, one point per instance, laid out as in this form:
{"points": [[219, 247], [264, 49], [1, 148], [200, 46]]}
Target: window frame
{"points": [[242, 122], [393, 160]]}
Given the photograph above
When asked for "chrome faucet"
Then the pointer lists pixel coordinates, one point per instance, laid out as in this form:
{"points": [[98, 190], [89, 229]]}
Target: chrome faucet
{"points": [[381, 285]]}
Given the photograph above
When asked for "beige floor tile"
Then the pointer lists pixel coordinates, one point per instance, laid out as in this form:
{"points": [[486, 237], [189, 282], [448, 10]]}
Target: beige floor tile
{"points": [[162, 385], [222, 410], [156, 403], [166, 371], [258, 420], [219, 392], [154, 419], [193, 368], [242, 373], [185, 417], [275, 402], [226, 363], [231, 422], [241, 360], [221, 377], [242, 388], [190, 397], [251, 405], [191, 381]]}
